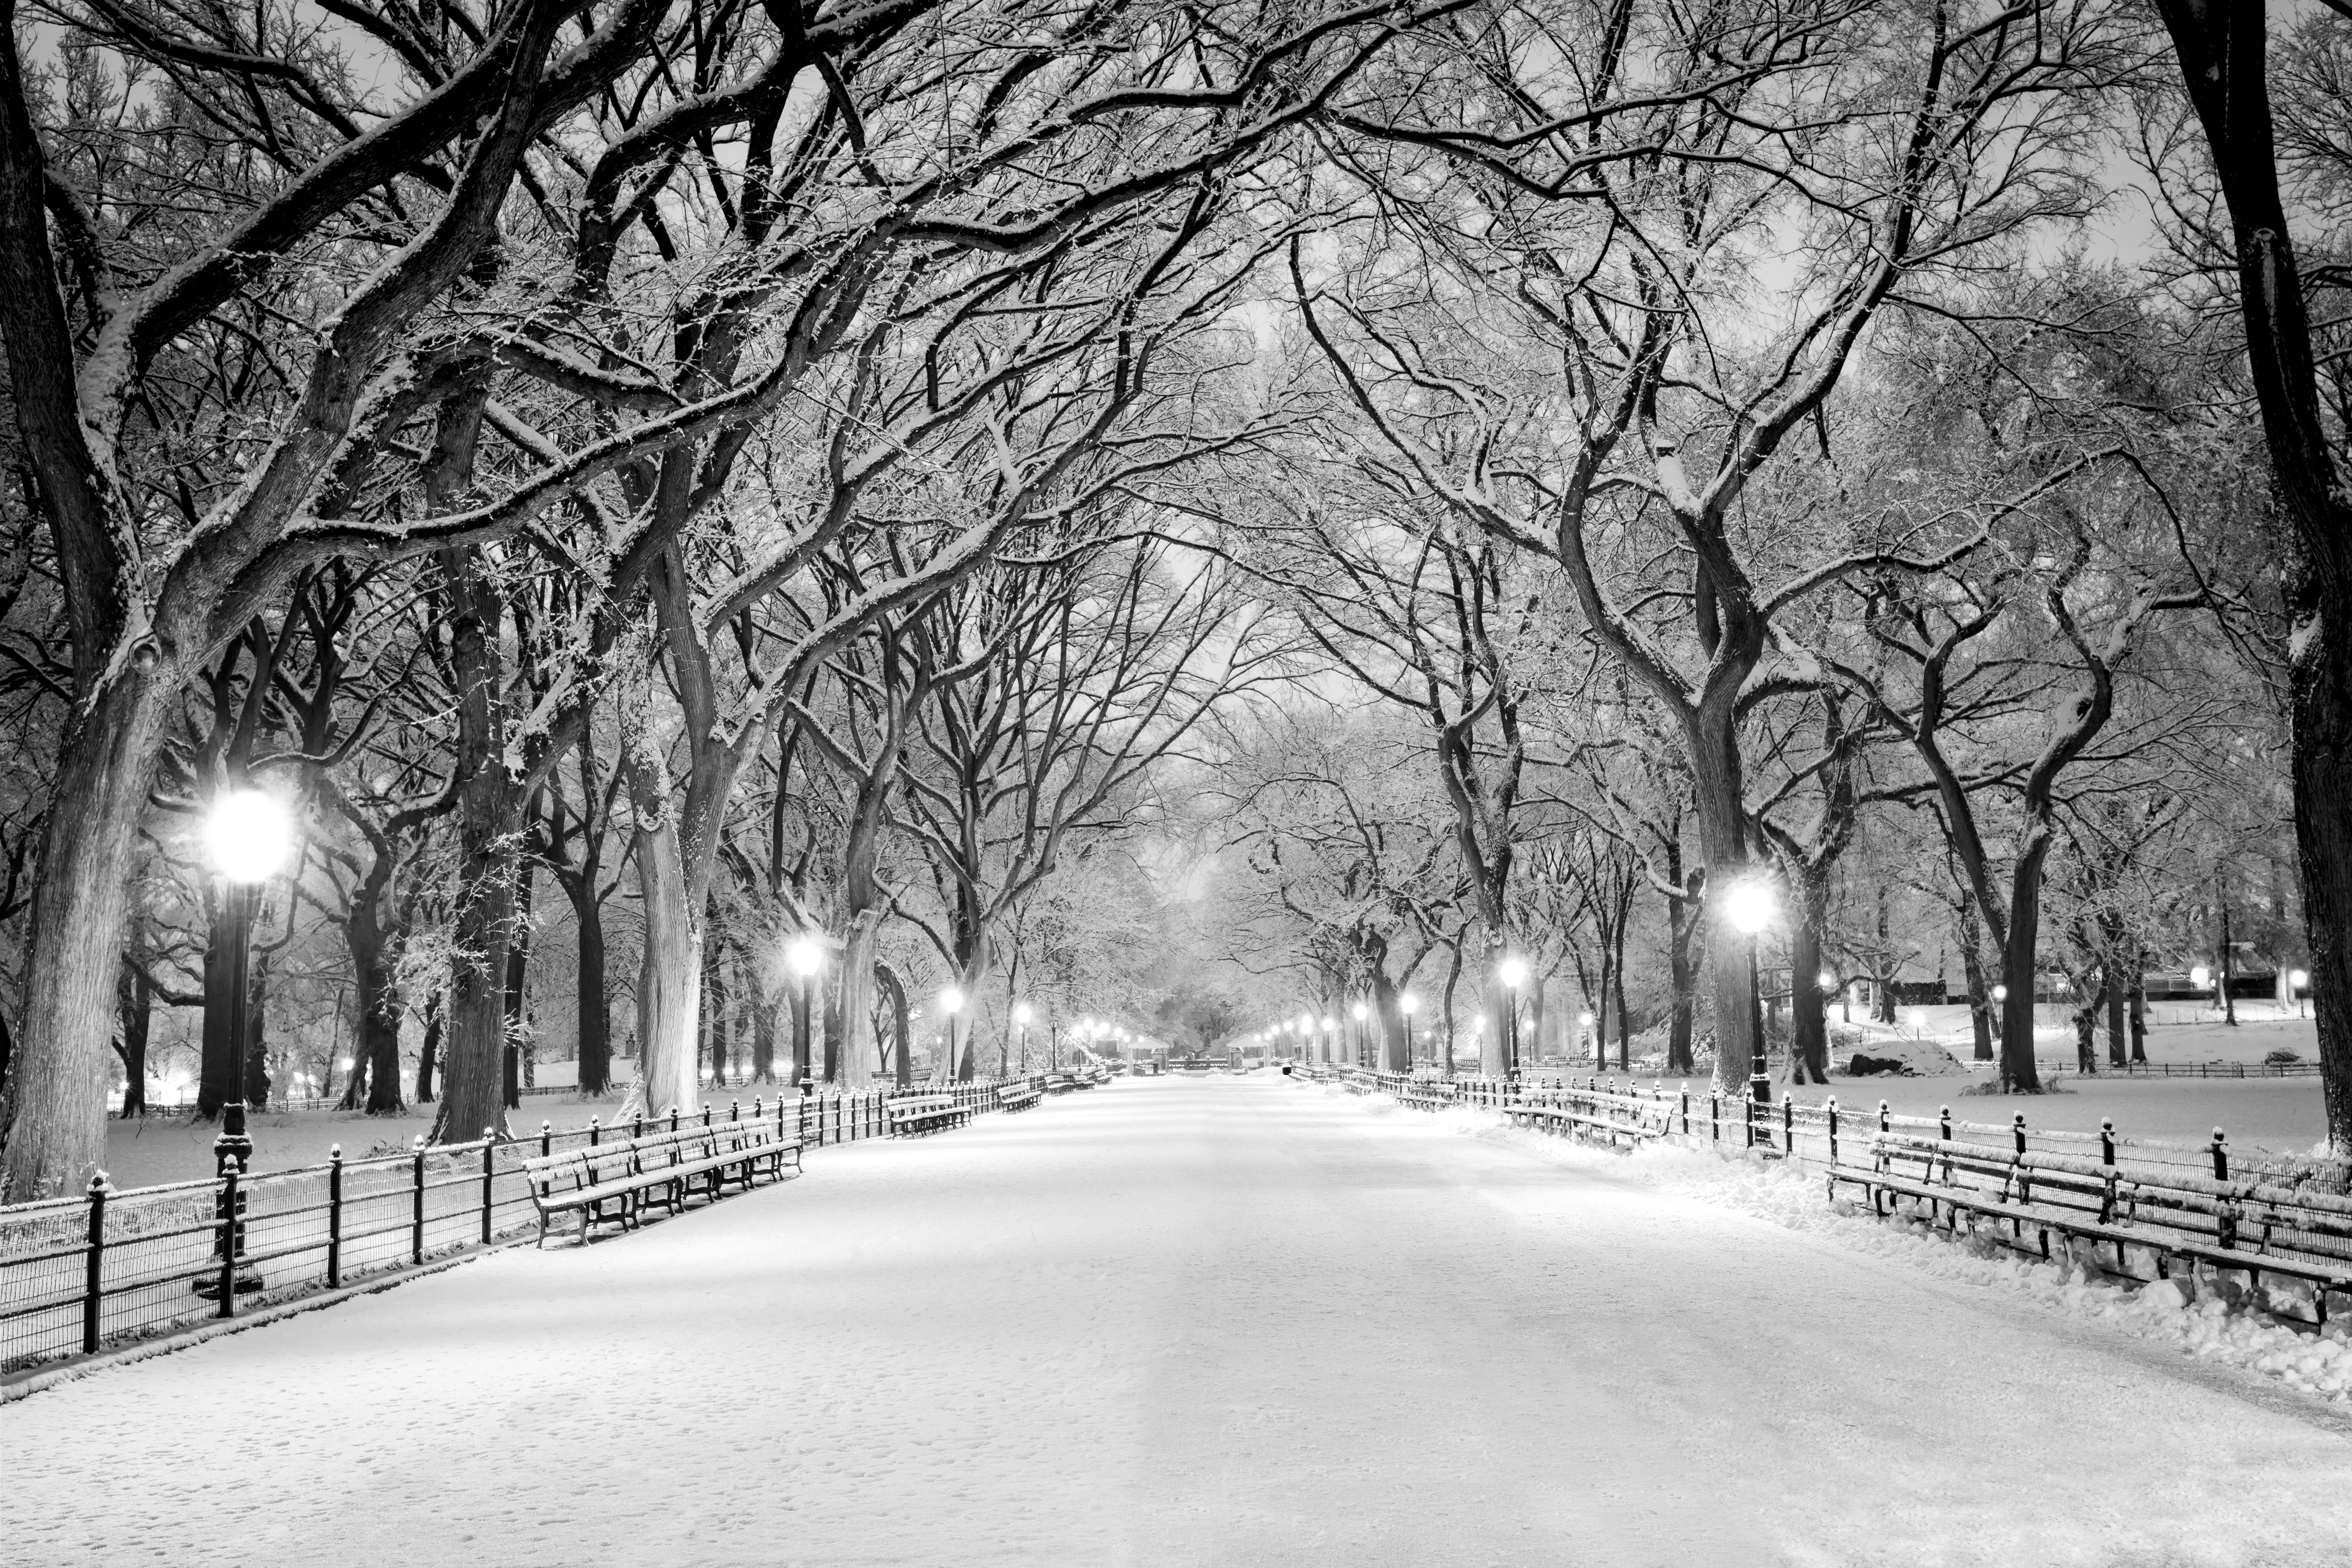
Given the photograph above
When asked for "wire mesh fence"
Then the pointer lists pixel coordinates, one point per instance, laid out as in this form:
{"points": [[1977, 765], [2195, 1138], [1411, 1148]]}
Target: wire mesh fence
{"points": [[103, 1267]]}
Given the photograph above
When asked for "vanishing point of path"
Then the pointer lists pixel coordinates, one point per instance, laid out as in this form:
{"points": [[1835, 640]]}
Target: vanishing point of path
{"points": [[1178, 1321]]}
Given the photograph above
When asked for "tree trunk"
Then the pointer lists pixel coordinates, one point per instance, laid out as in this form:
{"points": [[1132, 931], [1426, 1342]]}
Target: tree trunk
{"points": [[429, 1054], [1682, 926], [594, 1008], [853, 993], [2140, 1006], [2018, 1072], [1809, 1021], [1723, 846], [2221, 50], [2119, 985], [902, 1046], [669, 977], [1972, 966], [136, 1003], [374, 1082], [517, 975]]}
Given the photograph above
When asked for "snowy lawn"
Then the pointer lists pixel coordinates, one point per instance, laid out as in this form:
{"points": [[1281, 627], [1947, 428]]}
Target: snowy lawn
{"points": [[1180, 1321]]}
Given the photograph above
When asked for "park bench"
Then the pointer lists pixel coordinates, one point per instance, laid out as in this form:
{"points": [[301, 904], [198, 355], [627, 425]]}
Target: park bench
{"points": [[1059, 1083], [1018, 1097], [1422, 1097], [918, 1113], [1090, 1079], [2247, 1225], [611, 1183], [1606, 1118]]}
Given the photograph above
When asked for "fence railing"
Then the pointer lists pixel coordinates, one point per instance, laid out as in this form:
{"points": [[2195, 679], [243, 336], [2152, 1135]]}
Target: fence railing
{"points": [[102, 1268], [1813, 1133], [2243, 1208]]}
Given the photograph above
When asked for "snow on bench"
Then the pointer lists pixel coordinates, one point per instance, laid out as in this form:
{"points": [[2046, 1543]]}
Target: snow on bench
{"points": [[608, 1183], [918, 1113]]}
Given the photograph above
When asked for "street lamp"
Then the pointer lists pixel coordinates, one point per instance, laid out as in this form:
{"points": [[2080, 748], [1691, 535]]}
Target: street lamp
{"points": [[805, 958], [1747, 905], [951, 1003], [2299, 980], [1363, 1036], [1584, 1031], [1021, 1016], [247, 837], [1513, 973], [1406, 1003]]}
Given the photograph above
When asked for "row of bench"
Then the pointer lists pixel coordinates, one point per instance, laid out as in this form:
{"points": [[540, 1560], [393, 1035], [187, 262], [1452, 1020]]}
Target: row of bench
{"points": [[2141, 1220], [615, 1182], [2253, 1225]]}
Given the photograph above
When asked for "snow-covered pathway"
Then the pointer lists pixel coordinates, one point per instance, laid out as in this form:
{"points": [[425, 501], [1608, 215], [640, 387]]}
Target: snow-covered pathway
{"points": [[1174, 1322]]}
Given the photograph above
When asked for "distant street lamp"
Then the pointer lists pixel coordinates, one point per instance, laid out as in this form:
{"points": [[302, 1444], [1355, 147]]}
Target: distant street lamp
{"points": [[1363, 1036], [1406, 1003], [951, 1003], [1748, 907], [2000, 995], [1021, 1016], [1584, 1032], [1513, 973], [2300, 983], [805, 958]]}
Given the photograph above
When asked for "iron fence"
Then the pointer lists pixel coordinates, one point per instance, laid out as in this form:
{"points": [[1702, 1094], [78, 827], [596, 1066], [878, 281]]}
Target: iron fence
{"points": [[103, 1267]]}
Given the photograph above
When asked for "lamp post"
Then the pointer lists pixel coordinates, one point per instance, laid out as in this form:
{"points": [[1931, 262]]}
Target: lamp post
{"points": [[248, 837], [1600, 1047], [1363, 1036], [1406, 1003], [2299, 982], [1021, 1016], [1513, 973], [1748, 904], [951, 1002], [805, 957], [1999, 996]]}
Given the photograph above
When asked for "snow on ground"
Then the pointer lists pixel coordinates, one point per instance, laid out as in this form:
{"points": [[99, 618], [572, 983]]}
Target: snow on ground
{"points": [[148, 1151], [2283, 1115], [1189, 1321], [2177, 1032]]}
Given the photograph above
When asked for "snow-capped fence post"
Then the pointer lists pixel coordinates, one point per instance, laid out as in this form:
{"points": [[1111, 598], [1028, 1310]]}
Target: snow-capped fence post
{"points": [[334, 1216], [546, 1139], [93, 1280], [1886, 1120], [1832, 1109], [734, 1111], [416, 1203], [2220, 1156], [595, 1127], [1788, 1124], [637, 1126], [706, 1115], [1686, 1106], [2018, 1130], [2108, 1146], [673, 1118], [1714, 1116], [489, 1170], [1943, 1121]]}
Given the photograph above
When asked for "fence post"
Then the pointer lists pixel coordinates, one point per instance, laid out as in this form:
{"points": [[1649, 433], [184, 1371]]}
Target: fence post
{"points": [[1788, 1124], [636, 1126], [546, 1139], [2220, 1156], [416, 1203], [673, 1118], [1685, 1096], [2019, 1132], [595, 1127], [334, 1216], [1714, 1116], [93, 1283], [1943, 1122], [489, 1168], [1833, 1110], [230, 1169], [2106, 1139], [706, 1113], [734, 1111]]}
